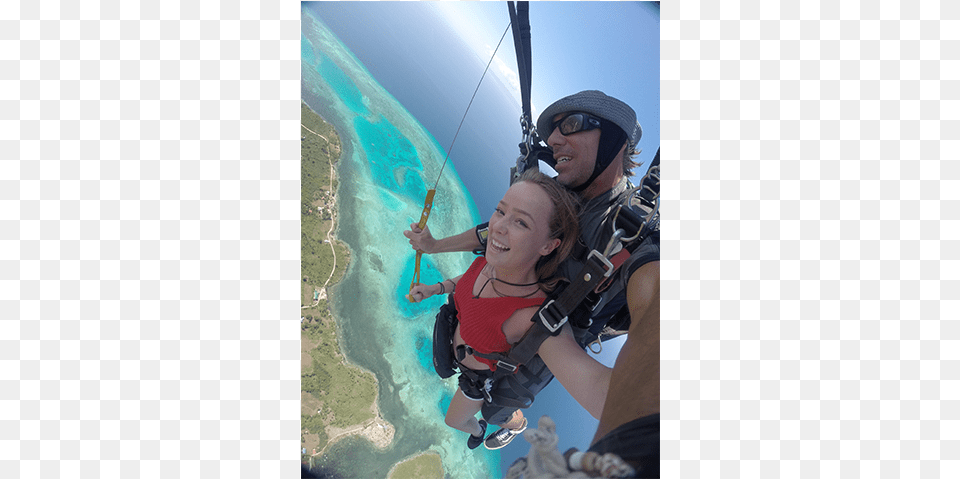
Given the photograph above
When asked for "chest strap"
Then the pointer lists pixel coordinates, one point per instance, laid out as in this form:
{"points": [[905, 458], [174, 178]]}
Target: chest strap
{"points": [[595, 275], [597, 269], [546, 322], [551, 316]]}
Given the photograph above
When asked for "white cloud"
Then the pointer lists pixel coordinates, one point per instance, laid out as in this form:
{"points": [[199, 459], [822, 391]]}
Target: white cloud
{"points": [[509, 75], [511, 78], [475, 24]]}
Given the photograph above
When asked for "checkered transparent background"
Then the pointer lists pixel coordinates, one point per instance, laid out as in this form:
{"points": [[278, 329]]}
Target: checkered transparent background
{"points": [[810, 294], [149, 239]]}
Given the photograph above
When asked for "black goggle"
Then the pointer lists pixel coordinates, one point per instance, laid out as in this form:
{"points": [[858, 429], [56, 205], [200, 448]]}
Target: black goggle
{"points": [[575, 123]]}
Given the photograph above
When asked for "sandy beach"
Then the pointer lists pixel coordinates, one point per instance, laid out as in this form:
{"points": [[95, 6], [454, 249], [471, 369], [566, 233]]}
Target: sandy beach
{"points": [[376, 430]]}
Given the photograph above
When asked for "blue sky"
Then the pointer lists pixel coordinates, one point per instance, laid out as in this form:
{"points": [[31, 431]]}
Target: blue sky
{"points": [[608, 46]]}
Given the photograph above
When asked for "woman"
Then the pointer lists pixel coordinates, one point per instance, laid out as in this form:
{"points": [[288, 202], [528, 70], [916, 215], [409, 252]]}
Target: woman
{"points": [[532, 230]]}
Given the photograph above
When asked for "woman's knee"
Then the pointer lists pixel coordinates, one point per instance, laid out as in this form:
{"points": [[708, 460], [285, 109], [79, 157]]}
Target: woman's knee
{"points": [[452, 421]]}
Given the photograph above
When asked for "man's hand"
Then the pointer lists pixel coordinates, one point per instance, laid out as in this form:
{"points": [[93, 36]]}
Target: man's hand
{"points": [[421, 239]]}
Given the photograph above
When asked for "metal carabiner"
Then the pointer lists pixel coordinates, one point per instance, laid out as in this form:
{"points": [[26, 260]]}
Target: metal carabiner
{"points": [[647, 219], [608, 251], [486, 388], [526, 148], [599, 346]]}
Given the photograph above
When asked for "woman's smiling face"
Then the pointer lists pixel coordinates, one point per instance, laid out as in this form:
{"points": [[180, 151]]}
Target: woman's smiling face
{"points": [[520, 227]]}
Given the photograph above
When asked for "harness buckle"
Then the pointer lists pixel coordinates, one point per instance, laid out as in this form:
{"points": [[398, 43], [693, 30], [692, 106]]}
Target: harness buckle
{"points": [[486, 388], [554, 325], [505, 365], [603, 260]]}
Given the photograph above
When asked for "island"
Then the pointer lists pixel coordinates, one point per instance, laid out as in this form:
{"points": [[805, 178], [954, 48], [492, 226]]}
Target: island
{"points": [[422, 466], [337, 399]]}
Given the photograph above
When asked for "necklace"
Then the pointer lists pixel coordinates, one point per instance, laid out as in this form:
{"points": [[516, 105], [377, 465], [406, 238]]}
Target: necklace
{"points": [[494, 286], [516, 284], [511, 284]]}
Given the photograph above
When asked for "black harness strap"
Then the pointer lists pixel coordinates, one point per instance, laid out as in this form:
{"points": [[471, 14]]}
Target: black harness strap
{"points": [[551, 317], [597, 268], [481, 379], [554, 314], [530, 149], [547, 322], [520, 19]]}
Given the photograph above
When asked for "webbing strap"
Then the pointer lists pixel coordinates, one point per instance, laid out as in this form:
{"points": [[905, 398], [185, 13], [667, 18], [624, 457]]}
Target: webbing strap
{"points": [[594, 270], [551, 317], [530, 149], [479, 378], [617, 261], [547, 322], [520, 19]]}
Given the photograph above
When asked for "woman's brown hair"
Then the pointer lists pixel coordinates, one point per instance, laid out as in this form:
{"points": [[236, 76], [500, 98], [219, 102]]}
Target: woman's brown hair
{"points": [[564, 225]]}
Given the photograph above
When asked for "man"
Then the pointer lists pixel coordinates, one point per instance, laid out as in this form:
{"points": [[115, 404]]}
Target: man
{"points": [[593, 138]]}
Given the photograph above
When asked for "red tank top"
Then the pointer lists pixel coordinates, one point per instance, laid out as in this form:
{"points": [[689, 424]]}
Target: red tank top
{"points": [[481, 319]]}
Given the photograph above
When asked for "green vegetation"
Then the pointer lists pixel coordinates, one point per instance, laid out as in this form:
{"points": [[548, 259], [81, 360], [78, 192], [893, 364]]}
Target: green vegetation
{"points": [[426, 466], [319, 151], [332, 392], [345, 391], [314, 425], [342, 394]]}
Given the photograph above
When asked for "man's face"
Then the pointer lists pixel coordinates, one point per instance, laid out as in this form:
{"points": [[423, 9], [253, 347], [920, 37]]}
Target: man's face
{"points": [[575, 154]]}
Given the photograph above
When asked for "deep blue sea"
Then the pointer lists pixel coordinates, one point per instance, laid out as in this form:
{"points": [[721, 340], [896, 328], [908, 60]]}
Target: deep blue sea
{"points": [[396, 94]]}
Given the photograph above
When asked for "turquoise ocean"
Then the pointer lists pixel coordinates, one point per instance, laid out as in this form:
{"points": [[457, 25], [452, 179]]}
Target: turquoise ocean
{"points": [[388, 162]]}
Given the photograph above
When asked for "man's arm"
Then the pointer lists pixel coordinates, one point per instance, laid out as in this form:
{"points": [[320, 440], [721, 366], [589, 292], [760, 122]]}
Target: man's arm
{"points": [[635, 382], [586, 379], [422, 240]]}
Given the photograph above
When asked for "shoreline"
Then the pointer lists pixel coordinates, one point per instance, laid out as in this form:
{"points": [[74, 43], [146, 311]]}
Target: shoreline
{"points": [[377, 430], [420, 456]]}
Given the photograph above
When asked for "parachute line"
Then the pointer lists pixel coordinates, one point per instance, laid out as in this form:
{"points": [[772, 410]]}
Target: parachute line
{"points": [[471, 103]]}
